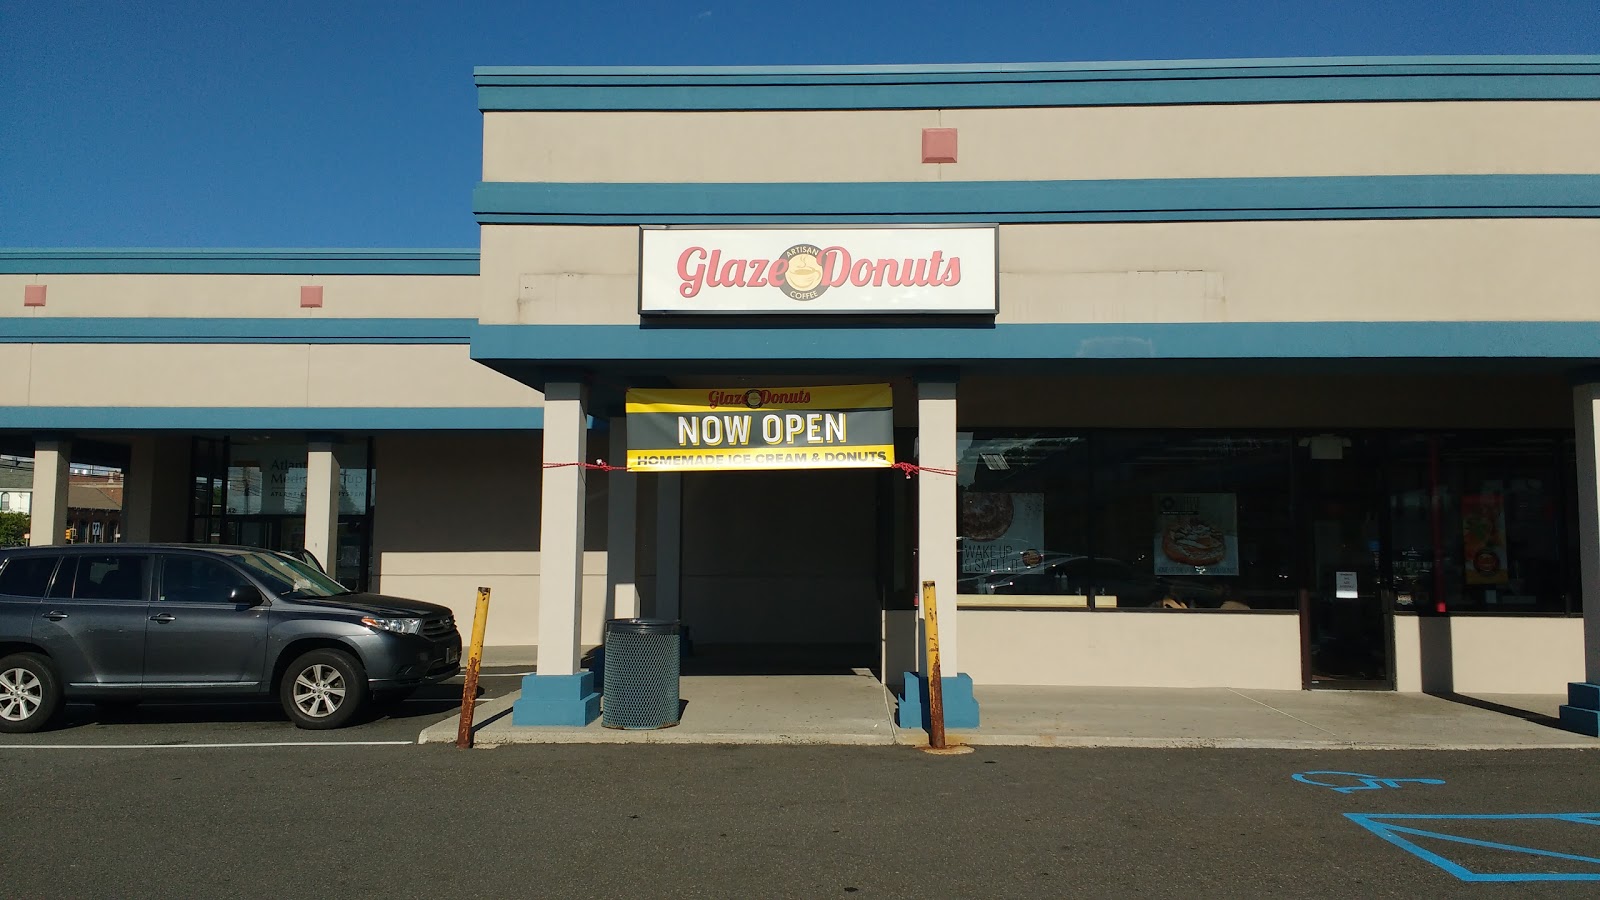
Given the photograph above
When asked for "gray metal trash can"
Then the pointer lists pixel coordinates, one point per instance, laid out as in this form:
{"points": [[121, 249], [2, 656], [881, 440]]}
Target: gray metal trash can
{"points": [[640, 689]]}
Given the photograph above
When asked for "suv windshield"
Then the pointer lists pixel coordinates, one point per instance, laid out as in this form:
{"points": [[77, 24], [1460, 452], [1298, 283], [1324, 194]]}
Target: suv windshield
{"points": [[289, 577]]}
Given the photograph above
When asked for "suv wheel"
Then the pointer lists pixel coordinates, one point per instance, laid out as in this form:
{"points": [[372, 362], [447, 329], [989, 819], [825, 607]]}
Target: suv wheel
{"points": [[30, 695], [323, 689]]}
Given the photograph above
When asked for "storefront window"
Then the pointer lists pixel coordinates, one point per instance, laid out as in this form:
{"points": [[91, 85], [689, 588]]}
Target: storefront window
{"points": [[1129, 519], [1449, 522], [1204, 520], [1496, 541], [252, 492], [1023, 516]]}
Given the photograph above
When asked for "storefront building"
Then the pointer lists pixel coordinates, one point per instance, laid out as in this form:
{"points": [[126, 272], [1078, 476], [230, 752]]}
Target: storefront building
{"points": [[1266, 375]]}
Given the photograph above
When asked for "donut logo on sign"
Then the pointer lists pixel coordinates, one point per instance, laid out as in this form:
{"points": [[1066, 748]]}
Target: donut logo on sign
{"points": [[806, 271], [800, 277]]}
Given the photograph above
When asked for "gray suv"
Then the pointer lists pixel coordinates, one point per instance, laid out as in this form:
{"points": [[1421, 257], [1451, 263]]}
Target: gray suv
{"points": [[120, 623]]}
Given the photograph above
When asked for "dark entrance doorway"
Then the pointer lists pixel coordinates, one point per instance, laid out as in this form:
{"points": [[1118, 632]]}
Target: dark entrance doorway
{"points": [[1347, 614], [781, 571]]}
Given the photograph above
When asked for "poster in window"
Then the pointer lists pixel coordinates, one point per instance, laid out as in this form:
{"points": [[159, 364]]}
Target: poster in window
{"points": [[998, 528], [1483, 529], [1196, 534]]}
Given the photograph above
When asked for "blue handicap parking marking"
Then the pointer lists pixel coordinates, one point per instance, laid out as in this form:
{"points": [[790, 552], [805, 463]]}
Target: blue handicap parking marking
{"points": [[1401, 830], [1345, 782]]}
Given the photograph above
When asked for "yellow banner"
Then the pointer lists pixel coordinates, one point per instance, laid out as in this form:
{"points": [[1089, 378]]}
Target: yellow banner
{"points": [[714, 429], [879, 456], [834, 397]]}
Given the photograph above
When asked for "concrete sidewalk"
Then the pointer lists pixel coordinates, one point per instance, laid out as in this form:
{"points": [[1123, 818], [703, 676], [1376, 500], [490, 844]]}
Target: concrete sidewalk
{"points": [[856, 709], [721, 709]]}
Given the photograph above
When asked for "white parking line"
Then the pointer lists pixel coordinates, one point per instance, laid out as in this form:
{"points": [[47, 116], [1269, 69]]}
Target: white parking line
{"points": [[206, 746]]}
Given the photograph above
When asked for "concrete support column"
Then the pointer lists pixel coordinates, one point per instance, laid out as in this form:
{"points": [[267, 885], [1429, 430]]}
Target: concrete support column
{"points": [[669, 545], [1582, 712], [52, 461], [139, 492], [937, 527], [561, 507], [322, 504], [561, 693], [622, 511]]}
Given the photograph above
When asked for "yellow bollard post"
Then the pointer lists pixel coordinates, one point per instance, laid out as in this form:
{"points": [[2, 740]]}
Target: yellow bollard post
{"points": [[469, 690], [930, 614]]}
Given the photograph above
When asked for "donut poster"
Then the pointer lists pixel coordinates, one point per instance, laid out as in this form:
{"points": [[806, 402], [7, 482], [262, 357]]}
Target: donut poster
{"points": [[1483, 529], [1196, 534], [997, 528]]}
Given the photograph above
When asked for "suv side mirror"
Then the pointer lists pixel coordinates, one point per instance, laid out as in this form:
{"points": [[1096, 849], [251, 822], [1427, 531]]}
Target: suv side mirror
{"points": [[247, 594]]}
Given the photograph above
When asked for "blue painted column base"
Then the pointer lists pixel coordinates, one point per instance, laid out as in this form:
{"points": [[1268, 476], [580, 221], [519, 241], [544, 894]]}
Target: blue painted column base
{"points": [[960, 706], [1582, 711], [569, 700]]}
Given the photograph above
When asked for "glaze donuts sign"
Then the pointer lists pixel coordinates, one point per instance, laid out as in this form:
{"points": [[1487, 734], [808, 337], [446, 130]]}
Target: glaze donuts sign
{"points": [[1196, 534], [929, 269]]}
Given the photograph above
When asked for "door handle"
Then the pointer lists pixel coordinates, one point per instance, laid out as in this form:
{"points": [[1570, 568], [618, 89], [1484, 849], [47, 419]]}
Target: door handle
{"points": [[164, 618], [55, 615]]}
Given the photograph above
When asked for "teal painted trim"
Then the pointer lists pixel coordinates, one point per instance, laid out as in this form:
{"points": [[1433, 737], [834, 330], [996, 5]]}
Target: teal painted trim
{"points": [[1119, 200], [1584, 695], [960, 705], [144, 261], [566, 700], [587, 345], [1513, 212], [1330, 89], [95, 330], [1049, 84], [934, 72], [236, 418]]}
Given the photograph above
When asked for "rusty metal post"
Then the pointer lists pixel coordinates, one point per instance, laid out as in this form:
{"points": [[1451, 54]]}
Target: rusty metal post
{"points": [[930, 613], [469, 690]]}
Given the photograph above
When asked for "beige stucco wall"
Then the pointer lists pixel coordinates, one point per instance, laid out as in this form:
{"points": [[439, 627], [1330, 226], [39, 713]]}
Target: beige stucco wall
{"points": [[1488, 654], [1346, 271], [1127, 649], [456, 512], [245, 296], [557, 274], [1416, 270], [1202, 141], [312, 375]]}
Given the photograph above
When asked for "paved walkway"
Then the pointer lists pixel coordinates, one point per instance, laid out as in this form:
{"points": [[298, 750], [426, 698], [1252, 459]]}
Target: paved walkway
{"points": [[856, 709]]}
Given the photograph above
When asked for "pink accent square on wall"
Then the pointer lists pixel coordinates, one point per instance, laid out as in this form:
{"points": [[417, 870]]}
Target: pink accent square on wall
{"points": [[311, 296], [33, 295], [938, 145]]}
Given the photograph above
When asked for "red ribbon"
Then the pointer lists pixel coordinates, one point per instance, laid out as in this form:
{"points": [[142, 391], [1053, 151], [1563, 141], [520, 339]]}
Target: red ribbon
{"points": [[909, 469], [599, 464], [912, 469]]}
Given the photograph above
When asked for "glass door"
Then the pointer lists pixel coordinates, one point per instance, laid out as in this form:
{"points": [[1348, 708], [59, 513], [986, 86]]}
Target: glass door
{"points": [[1346, 614]]}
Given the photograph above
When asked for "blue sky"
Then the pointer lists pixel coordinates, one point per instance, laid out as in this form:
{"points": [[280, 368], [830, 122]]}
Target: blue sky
{"points": [[346, 124]]}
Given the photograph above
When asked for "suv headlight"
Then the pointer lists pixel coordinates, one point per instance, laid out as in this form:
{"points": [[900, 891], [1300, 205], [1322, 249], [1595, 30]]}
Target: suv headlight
{"points": [[398, 626]]}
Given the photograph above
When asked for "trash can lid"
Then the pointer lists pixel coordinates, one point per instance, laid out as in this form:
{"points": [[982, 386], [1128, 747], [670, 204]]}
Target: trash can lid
{"points": [[642, 626]]}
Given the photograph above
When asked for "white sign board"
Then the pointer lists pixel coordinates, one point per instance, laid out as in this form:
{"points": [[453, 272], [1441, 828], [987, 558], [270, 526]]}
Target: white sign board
{"points": [[1344, 586], [883, 271]]}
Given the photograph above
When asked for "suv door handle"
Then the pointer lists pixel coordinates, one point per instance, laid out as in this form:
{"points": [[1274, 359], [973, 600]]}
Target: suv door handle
{"points": [[55, 615], [164, 618]]}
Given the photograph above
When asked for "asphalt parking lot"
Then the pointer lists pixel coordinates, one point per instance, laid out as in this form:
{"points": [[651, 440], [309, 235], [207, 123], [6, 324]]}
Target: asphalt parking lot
{"points": [[258, 722], [434, 822]]}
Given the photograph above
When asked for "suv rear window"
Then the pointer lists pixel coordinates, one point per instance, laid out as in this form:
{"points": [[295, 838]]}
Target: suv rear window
{"points": [[102, 578], [27, 576]]}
